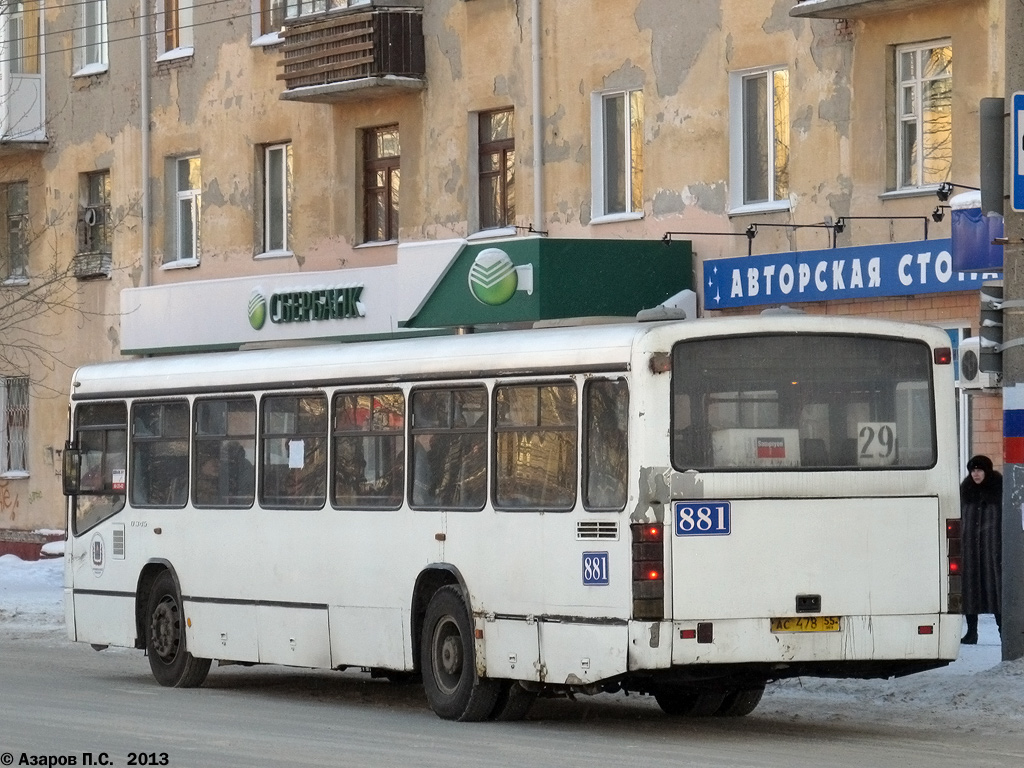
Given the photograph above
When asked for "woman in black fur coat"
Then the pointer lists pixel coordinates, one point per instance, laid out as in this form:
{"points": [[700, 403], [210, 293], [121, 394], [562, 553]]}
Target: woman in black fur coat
{"points": [[981, 511]]}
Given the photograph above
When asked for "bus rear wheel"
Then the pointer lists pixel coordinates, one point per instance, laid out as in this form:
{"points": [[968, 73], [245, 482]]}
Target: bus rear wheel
{"points": [[169, 659], [741, 702], [448, 660], [680, 701], [513, 703]]}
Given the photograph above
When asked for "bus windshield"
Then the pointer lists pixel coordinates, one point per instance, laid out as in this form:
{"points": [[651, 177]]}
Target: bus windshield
{"points": [[820, 402]]}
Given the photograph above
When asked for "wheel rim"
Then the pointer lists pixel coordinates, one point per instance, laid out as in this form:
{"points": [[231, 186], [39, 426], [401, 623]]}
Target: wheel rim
{"points": [[165, 629], [448, 655]]}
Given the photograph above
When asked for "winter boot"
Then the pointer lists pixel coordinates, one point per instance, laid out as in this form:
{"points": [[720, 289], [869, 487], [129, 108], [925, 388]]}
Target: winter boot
{"points": [[971, 638]]}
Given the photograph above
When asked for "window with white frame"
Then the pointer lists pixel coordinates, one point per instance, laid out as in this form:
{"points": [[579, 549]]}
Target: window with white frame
{"points": [[23, 36], [13, 426], [759, 138], [271, 17], [175, 26], [277, 197], [617, 152], [92, 48], [924, 109], [188, 198], [14, 246]]}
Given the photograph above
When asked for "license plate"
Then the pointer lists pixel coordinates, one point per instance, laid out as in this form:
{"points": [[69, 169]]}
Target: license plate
{"points": [[806, 624]]}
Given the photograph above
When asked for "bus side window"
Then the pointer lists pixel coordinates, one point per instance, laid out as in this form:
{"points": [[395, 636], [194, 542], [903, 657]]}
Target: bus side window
{"points": [[369, 450], [449, 438], [224, 451], [159, 475], [606, 419], [293, 450], [536, 446], [101, 432]]}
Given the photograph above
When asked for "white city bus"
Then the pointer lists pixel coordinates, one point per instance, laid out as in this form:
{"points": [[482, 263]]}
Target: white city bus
{"points": [[684, 509]]}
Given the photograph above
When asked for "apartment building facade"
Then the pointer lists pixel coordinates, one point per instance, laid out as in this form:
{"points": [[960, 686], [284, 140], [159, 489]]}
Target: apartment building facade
{"points": [[178, 152]]}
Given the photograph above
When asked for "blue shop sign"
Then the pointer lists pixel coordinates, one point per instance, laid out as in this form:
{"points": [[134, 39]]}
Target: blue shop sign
{"points": [[866, 271]]}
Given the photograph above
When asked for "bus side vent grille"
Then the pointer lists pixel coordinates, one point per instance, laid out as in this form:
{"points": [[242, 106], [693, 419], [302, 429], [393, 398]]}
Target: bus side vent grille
{"points": [[597, 529], [117, 542]]}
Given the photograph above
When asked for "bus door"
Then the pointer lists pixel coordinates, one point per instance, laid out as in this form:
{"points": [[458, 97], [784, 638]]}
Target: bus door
{"points": [[96, 489]]}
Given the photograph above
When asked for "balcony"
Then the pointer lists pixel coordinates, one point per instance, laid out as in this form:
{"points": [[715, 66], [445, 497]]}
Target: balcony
{"points": [[345, 56], [856, 9], [22, 113]]}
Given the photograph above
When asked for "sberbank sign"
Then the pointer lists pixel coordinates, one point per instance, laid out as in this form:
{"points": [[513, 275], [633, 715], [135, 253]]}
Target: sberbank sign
{"points": [[304, 306]]}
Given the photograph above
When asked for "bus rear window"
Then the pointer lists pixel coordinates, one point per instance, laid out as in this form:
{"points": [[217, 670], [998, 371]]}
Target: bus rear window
{"points": [[799, 402]]}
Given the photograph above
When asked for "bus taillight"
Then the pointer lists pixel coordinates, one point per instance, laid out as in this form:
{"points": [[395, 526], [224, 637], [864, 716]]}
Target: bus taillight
{"points": [[954, 565], [648, 571]]}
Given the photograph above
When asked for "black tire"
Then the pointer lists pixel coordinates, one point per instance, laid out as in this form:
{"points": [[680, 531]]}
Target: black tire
{"points": [[169, 659], [513, 702], [680, 701], [741, 702], [448, 661]]}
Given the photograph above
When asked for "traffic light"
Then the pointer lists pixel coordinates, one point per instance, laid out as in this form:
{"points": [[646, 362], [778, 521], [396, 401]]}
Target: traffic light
{"points": [[991, 332]]}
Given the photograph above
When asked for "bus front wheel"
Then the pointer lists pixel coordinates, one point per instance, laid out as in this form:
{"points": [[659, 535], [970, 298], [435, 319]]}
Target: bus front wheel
{"points": [[448, 660], [169, 659]]}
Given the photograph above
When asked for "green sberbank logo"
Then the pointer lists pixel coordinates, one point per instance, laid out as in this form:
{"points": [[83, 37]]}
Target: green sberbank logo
{"points": [[257, 309], [493, 278]]}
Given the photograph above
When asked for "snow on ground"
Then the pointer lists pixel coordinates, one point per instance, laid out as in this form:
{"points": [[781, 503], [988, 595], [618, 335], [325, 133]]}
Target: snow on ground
{"points": [[977, 690], [31, 594]]}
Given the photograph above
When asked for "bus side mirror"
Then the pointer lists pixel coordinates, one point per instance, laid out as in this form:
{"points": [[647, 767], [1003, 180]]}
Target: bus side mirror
{"points": [[72, 469]]}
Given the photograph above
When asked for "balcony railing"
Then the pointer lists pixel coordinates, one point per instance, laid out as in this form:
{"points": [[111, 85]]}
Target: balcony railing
{"points": [[344, 56], [855, 9]]}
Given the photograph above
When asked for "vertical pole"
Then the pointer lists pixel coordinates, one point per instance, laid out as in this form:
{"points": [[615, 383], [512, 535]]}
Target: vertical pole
{"points": [[146, 20], [1013, 378], [538, 122]]}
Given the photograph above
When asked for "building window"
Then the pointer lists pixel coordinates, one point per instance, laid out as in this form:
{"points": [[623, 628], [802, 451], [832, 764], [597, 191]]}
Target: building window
{"points": [[94, 223], [924, 144], [277, 197], [188, 197], [617, 152], [14, 254], [271, 16], [13, 425], [759, 128], [175, 22], [92, 49], [22, 43], [94, 229], [381, 161], [497, 145], [296, 8]]}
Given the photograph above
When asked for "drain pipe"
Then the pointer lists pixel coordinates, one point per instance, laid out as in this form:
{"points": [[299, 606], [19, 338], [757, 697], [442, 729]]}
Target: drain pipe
{"points": [[538, 126], [146, 20]]}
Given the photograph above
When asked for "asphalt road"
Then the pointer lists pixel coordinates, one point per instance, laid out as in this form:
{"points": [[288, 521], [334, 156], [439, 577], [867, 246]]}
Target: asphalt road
{"points": [[61, 701]]}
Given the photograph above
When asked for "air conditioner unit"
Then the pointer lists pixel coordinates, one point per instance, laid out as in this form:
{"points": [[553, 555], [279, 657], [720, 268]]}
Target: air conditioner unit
{"points": [[970, 375]]}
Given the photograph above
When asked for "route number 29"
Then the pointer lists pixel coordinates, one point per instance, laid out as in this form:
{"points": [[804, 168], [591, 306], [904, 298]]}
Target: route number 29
{"points": [[876, 443]]}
